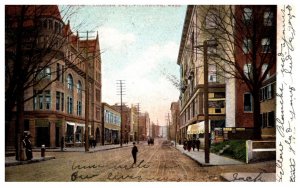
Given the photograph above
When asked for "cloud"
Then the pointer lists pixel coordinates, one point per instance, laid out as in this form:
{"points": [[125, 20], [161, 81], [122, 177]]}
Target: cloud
{"points": [[153, 59], [143, 80], [114, 39]]}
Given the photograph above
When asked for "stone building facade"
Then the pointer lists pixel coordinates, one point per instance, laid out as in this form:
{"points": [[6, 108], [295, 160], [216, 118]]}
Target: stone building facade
{"points": [[191, 61]]}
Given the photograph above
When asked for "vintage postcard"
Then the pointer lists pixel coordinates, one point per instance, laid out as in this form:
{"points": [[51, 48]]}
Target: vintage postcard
{"points": [[150, 92]]}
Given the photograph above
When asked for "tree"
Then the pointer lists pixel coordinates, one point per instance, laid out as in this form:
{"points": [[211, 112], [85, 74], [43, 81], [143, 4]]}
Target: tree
{"points": [[246, 46], [35, 39]]}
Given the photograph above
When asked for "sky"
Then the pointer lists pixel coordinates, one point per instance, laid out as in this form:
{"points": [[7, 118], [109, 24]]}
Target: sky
{"points": [[139, 45]]}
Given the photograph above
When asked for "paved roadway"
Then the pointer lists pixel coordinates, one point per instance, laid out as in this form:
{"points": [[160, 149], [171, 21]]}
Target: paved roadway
{"points": [[160, 162]]}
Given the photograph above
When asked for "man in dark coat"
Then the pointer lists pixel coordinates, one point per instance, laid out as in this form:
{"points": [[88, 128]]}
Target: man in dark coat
{"points": [[198, 144], [27, 145], [134, 152]]}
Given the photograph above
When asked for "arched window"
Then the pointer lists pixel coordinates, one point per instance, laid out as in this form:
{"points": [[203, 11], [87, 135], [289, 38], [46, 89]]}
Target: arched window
{"points": [[79, 87], [70, 82]]}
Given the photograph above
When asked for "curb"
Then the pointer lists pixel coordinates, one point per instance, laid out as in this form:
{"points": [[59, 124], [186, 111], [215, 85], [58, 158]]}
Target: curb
{"points": [[34, 160]]}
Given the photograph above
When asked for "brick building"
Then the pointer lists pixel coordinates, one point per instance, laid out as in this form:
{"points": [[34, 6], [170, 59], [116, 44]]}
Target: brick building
{"points": [[57, 105], [126, 121], [241, 69], [144, 126], [258, 33]]}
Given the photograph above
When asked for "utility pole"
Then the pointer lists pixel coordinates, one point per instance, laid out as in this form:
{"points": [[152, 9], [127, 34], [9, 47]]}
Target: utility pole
{"points": [[120, 91], [206, 44], [206, 104], [175, 127]]}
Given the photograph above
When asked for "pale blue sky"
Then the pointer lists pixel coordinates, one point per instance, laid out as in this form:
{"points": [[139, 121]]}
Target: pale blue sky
{"points": [[139, 43]]}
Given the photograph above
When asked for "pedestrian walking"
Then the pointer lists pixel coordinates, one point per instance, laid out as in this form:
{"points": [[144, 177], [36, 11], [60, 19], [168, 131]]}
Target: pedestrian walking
{"points": [[134, 152], [198, 144], [189, 145], [28, 149], [185, 144]]}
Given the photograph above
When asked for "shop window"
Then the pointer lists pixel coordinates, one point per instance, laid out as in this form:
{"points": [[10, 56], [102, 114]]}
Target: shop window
{"points": [[247, 102]]}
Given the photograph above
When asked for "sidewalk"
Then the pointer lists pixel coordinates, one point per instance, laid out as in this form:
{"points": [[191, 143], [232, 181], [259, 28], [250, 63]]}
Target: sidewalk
{"points": [[214, 159], [82, 149], [11, 161]]}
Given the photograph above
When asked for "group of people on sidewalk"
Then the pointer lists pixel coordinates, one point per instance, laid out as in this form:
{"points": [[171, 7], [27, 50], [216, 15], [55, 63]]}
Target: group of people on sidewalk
{"points": [[189, 144], [28, 149]]}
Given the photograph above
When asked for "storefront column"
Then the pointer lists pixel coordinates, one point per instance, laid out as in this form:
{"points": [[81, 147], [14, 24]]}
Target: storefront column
{"points": [[52, 134]]}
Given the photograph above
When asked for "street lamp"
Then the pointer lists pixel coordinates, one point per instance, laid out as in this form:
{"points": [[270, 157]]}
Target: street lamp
{"points": [[206, 44]]}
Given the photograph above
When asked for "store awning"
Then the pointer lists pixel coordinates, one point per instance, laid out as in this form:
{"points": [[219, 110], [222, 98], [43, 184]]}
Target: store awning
{"points": [[80, 124], [197, 128], [71, 123]]}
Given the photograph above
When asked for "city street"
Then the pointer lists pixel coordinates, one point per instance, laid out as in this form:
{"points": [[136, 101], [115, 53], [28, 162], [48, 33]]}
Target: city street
{"points": [[160, 162]]}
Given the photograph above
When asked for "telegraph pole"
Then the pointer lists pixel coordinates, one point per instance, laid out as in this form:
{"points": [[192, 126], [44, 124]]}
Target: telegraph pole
{"points": [[175, 127], [206, 104], [120, 91], [206, 44]]}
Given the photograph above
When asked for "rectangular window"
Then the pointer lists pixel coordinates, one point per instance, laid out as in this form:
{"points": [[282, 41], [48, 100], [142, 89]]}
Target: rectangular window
{"points": [[44, 74], [70, 105], [97, 95], [57, 100], [35, 101], [269, 91], [58, 71], [247, 102], [47, 100], [219, 95], [62, 102], [265, 45], [247, 45], [79, 107], [97, 113], [264, 119], [266, 92], [106, 116], [62, 73], [268, 18], [41, 101], [217, 110], [48, 73], [271, 119], [247, 15], [212, 73]]}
